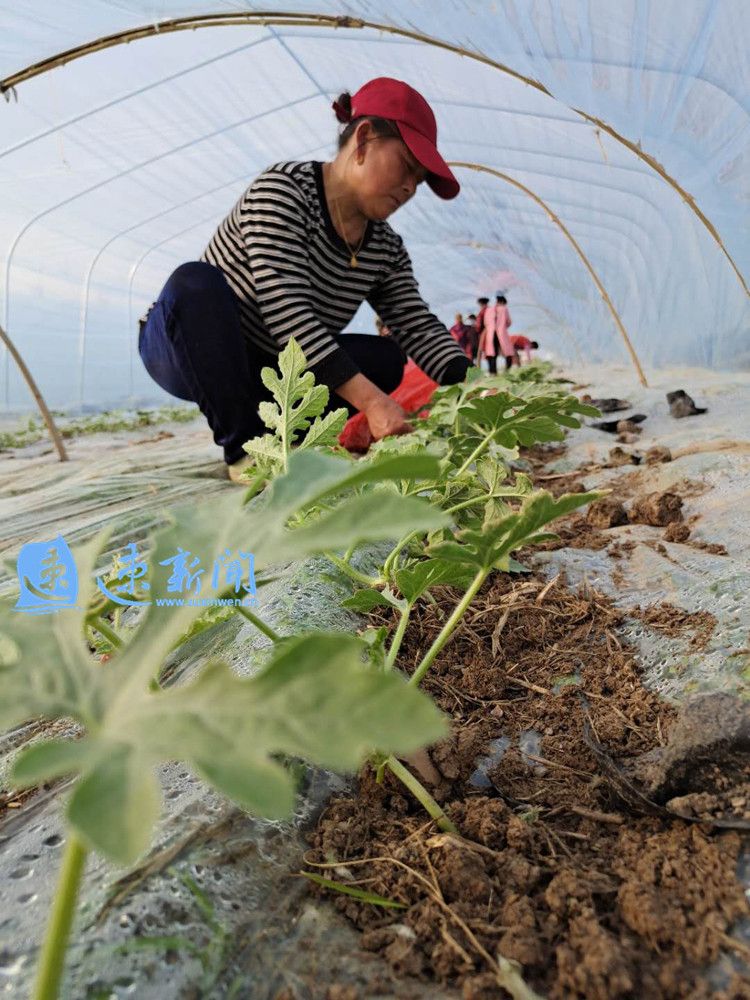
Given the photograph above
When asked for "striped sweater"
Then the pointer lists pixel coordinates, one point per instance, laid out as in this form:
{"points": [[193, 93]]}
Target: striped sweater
{"points": [[291, 273]]}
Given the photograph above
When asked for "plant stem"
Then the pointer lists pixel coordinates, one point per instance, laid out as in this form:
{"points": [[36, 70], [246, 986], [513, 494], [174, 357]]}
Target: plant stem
{"points": [[350, 571], [479, 499], [420, 793], [471, 502], [109, 634], [420, 488], [259, 624], [52, 960], [475, 454], [394, 553], [447, 630], [398, 638]]}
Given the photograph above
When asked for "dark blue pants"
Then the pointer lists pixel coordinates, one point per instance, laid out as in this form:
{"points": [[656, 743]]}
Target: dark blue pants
{"points": [[193, 347]]}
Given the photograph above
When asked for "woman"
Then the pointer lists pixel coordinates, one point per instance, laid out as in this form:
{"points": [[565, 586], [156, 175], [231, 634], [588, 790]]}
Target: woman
{"points": [[300, 251], [463, 334], [495, 338], [522, 343]]}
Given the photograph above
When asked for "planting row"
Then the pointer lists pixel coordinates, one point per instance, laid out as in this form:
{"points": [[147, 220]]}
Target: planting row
{"points": [[443, 496]]}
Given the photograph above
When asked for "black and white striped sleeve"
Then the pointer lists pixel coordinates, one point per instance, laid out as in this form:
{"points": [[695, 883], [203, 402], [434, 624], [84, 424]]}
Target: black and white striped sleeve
{"points": [[272, 218], [397, 301]]}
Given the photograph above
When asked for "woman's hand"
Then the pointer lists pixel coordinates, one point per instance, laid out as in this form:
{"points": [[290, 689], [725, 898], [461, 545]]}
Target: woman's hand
{"points": [[385, 417]]}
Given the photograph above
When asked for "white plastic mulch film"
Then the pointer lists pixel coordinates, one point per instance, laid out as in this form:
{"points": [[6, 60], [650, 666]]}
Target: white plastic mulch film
{"points": [[117, 166]]}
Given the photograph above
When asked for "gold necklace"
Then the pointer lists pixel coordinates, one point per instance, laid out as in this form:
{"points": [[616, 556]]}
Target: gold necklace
{"points": [[353, 259]]}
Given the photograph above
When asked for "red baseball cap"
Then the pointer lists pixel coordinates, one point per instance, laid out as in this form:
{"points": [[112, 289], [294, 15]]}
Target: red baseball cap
{"points": [[395, 100]]}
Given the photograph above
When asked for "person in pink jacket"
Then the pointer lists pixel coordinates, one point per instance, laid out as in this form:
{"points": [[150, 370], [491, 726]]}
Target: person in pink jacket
{"points": [[495, 338]]}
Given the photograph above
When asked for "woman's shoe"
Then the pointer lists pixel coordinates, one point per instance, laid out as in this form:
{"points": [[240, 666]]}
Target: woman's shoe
{"points": [[236, 470]]}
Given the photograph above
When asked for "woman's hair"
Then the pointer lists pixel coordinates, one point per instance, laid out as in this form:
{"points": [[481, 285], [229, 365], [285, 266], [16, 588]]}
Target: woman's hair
{"points": [[381, 126], [534, 345], [501, 300]]}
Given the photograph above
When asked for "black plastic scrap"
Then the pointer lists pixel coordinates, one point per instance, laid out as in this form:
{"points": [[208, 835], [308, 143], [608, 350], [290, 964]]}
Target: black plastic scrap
{"points": [[682, 405], [610, 426], [608, 405]]}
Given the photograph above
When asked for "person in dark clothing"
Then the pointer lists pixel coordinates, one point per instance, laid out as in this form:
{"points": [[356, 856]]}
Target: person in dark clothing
{"points": [[463, 334], [303, 247]]}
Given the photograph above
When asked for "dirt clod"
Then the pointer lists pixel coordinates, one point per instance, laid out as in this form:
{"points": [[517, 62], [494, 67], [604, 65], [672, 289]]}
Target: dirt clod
{"points": [[618, 456], [713, 548], [658, 453], [673, 621], [342, 992], [677, 531], [658, 509], [606, 513]]}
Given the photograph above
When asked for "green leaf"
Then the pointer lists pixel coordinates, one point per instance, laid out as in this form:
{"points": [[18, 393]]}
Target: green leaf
{"points": [[223, 523], [516, 567], [416, 580], [350, 890], [51, 759], [114, 806], [316, 699], [374, 639], [325, 430], [492, 545], [515, 420], [67, 683], [493, 474], [205, 531], [47, 671], [267, 452], [297, 397], [324, 671], [421, 439], [313, 477], [371, 517], [294, 417], [367, 599], [261, 786]]}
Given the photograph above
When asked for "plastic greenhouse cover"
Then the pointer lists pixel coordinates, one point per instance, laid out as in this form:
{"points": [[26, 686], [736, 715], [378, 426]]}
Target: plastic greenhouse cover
{"points": [[627, 119]]}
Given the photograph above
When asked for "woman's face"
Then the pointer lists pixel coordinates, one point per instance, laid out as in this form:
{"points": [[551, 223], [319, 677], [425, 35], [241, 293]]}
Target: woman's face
{"points": [[385, 174]]}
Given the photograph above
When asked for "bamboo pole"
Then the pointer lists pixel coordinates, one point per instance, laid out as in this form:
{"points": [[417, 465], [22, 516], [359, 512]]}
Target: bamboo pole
{"points": [[481, 168], [35, 392], [298, 19]]}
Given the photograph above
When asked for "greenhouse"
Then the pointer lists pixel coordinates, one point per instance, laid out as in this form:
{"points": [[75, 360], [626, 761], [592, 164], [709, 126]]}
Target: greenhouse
{"points": [[374, 495]]}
